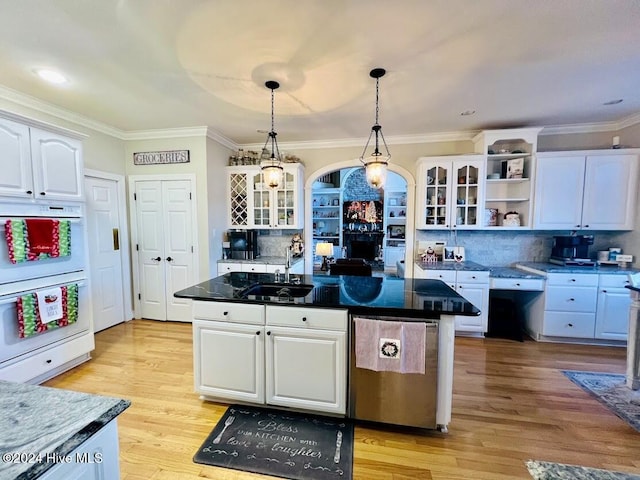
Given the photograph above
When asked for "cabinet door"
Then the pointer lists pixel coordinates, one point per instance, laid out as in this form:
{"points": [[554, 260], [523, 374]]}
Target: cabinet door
{"points": [[288, 200], [434, 180], [467, 194], [612, 314], [559, 189], [306, 369], [229, 360], [57, 166], [479, 296], [16, 179], [610, 190]]}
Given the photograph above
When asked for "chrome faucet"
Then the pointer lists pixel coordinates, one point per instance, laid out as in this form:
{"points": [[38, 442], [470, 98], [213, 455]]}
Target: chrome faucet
{"points": [[287, 264]]}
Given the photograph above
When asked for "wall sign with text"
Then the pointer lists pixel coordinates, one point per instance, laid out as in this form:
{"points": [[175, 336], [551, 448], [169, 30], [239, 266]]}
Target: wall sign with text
{"points": [[155, 158]]}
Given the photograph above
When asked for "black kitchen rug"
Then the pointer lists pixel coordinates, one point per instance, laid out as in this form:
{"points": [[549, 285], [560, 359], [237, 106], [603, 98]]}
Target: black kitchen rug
{"points": [[284, 444], [560, 471], [611, 390]]}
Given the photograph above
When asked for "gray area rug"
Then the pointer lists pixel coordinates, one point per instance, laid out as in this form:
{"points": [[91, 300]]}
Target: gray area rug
{"points": [[560, 471], [610, 389]]}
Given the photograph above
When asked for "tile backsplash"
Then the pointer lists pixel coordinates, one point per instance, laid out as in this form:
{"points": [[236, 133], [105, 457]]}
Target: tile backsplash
{"points": [[274, 243], [502, 248]]}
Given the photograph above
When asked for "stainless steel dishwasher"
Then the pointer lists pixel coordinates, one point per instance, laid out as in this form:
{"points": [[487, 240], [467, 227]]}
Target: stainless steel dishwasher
{"points": [[395, 398]]}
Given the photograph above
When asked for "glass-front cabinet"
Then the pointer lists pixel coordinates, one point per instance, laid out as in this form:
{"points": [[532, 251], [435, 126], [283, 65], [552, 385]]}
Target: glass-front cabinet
{"points": [[450, 192], [253, 204]]}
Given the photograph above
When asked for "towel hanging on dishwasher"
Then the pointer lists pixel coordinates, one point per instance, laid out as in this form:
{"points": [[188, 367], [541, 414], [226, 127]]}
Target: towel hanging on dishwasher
{"points": [[390, 346]]}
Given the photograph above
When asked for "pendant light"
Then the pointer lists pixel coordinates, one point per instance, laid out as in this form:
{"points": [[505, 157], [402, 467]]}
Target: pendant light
{"points": [[271, 166], [375, 165]]}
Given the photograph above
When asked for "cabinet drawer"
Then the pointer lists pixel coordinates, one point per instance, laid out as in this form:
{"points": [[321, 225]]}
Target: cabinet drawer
{"points": [[301, 317], [562, 324], [567, 299], [473, 276], [447, 276], [229, 312], [228, 267], [613, 281], [573, 279], [41, 362], [271, 268], [253, 267], [528, 284]]}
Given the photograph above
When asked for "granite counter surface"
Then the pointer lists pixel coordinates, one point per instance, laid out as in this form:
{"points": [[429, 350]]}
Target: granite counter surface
{"points": [[388, 296], [465, 266], [553, 268], [38, 420]]}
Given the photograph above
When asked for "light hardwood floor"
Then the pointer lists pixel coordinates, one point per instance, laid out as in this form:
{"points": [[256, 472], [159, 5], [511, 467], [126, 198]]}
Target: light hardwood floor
{"points": [[511, 403]]}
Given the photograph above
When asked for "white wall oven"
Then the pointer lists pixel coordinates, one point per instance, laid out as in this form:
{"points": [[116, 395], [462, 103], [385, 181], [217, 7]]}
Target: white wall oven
{"points": [[45, 305]]}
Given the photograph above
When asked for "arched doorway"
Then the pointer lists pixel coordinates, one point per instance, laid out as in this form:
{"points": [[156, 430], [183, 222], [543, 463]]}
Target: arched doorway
{"points": [[383, 241]]}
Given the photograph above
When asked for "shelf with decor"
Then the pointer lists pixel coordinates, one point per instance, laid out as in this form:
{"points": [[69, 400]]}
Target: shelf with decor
{"points": [[510, 165], [326, 214]]}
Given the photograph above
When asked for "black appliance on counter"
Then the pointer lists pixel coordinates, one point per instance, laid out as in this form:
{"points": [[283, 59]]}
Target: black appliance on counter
{"points": [[243, 244], [572, 250]]}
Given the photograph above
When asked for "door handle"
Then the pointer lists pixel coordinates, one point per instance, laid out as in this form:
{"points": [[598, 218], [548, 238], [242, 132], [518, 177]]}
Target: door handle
{"points": [[116, 239], [157, 259], [169, 259]]}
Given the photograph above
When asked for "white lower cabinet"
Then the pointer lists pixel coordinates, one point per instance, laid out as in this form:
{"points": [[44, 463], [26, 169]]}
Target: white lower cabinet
{"points": [[96, 459], [257, 267], [473, 285], [612, 312], [286, 356]]}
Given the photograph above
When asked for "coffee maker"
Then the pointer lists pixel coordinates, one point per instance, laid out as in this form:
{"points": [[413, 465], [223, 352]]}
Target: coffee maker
{"points": [[572, 250]]}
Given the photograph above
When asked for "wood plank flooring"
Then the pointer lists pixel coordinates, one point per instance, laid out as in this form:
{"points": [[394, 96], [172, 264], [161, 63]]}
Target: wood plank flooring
{"points": [[511, 404]]}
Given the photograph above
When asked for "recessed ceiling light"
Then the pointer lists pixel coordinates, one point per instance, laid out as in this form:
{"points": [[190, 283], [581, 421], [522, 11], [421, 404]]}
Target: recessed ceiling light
{"points": [[51, 76], [613, 102], [466, 113]]}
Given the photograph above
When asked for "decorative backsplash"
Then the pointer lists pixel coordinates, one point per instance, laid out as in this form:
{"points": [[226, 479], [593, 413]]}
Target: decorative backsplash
{"points": [[502, 248]]}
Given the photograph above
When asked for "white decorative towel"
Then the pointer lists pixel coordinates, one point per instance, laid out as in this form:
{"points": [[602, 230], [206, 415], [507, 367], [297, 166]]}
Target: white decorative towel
{"points": [[50, 304], [414, 339]]}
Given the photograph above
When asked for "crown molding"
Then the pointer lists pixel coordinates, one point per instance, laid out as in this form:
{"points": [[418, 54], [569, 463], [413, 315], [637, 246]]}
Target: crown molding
{"points": [[165, 133], [221, 139], [360, 142], [41, 106], [580, 128], [630, 121]]}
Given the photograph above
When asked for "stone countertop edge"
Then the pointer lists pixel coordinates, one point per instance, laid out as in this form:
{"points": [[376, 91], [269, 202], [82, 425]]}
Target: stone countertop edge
{"points": [[543, 268], [70, 418], [265, 260], [466, 266]]}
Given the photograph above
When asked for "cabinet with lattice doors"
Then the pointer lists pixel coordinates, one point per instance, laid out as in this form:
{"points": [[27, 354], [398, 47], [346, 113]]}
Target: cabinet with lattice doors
{"points": [[253, 204]]}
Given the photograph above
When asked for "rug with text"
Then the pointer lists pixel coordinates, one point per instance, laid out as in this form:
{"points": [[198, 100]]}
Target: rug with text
{"points": [[611, 390], [280, 443]]}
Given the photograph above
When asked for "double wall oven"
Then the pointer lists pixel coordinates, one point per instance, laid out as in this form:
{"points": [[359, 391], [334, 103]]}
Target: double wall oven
{"points": [[28, 357]]}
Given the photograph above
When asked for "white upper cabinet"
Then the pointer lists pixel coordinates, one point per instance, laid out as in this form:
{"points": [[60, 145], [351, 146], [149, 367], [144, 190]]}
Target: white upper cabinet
{"points": [[450, 192], [39, 164], [252, 204], [594, 190]]}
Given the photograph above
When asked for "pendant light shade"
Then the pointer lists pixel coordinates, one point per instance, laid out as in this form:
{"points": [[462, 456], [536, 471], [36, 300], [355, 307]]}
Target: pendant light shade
{"points": [[271, 162], [376, 163]]}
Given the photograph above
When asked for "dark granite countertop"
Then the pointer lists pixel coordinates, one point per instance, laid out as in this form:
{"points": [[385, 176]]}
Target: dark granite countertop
{"points": [[42, 420], [512, 272], [467, 266], [391, 296], [635, 289], [553, 268]]}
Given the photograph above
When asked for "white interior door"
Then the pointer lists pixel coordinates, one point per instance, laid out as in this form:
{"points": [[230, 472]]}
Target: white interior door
{"points": [[165, 247], [178, 246], [103, 221]]}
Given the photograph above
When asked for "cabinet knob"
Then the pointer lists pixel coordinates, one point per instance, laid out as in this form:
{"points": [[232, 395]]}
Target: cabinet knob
{"points": [[573, 280], [577, 226], [586, 226], [473, 276], [304, 319], [43, 193], [29, 192], [48, 360], [517, 284], [157, 259], [269, 333], [604, 291], [258, 332], [225, 313], [569, 324], [572, 299], [169, 259]]}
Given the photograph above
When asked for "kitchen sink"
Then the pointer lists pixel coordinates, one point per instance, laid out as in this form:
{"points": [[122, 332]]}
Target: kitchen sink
{"points": [[278, 290]]}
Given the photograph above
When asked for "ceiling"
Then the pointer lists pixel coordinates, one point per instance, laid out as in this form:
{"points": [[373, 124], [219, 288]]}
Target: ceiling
{"points": [[139, 65]]}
